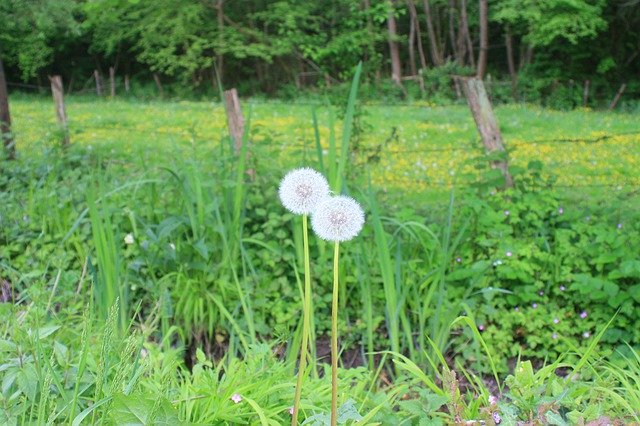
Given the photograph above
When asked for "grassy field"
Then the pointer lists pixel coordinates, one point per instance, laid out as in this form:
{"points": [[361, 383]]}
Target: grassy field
{"points": [[418, 148], [152, 279]]}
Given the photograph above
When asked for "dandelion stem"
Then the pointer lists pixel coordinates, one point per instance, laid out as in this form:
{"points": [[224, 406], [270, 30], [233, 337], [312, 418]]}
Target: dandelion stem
{"points": [[306, 320], [334, 338]]}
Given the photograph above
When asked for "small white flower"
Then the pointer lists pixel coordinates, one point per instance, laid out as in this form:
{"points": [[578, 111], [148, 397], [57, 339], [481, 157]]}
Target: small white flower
{"points": [[172, 246], [302, 189], [236, 398], [337, 218], [128, 239]]}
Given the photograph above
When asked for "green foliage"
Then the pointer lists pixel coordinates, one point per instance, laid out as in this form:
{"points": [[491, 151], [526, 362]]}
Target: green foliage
{"points": [[33, 31], [543, 23]]}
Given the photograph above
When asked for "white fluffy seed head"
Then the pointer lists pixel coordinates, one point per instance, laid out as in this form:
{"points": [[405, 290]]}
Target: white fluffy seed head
{"points": [[302, 189], [337, 218]]}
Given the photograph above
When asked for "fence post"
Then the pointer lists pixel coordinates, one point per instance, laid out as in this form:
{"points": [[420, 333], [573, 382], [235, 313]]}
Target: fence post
{"points": [[486, 123], [235, 119], [112, 81], [58, 98], [615, 100], [98, 79], [126, 83], [5, 117]]}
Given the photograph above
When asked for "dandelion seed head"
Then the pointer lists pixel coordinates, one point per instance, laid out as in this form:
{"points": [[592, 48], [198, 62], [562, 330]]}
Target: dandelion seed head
{"points": [[337, 218], [302, 189]]}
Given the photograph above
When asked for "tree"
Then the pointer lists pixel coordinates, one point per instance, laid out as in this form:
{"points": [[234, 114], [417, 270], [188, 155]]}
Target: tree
{"points": [[5, 116], [32, 31], [394, 49], [484, 39]]}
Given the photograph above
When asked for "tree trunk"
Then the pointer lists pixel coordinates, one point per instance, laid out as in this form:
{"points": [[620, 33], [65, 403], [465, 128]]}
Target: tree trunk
{"points": [[433, 43], [484, 39], [452, 31], [156, 78], [411, 45], [220, 60], [394, 51], [615, 100], [112, 81], [98, 79], [585, 94], [512, 67], [464, 21], [414, 16], [5, 117]]}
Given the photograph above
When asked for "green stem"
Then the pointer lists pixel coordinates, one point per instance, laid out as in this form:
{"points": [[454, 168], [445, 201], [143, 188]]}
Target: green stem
{"points": [[306, 321], [334, 338]]}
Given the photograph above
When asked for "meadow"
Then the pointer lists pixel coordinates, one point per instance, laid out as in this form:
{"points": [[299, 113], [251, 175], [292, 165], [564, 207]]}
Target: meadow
{"points": [[149, 279]]}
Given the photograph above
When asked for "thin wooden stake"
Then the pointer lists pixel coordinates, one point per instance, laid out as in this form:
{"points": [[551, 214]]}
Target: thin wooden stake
{"points": [[112, 81], [615, 100], [5, 117], [57, 91], [127, 84], [235, 119], [98, 79], [485, 122]]}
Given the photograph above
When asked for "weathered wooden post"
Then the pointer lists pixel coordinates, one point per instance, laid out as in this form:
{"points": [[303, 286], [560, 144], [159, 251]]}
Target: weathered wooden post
{"points": [[112, 81], [235, 119], [127, 85], [98, 79], [5, 117], [58, 98], [615, 100], [485, 122]]}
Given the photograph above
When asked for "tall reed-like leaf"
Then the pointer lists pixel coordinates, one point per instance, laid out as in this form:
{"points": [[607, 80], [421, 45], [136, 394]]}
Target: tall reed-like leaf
{"points": [[336, 185], [385, 261], [109, 286]]}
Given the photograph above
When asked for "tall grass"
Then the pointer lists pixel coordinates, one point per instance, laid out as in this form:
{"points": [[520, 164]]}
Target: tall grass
{"points": [[109, 284]]}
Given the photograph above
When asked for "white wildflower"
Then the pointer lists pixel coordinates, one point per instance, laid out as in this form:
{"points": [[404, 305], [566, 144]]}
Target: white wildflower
{"points": [[302, 189], [337, 219], [128, 239]]}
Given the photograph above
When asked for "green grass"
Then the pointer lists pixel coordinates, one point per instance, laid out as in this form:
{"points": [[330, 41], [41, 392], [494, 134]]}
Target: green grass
{"points": [[209, 291], [425, 149]]}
